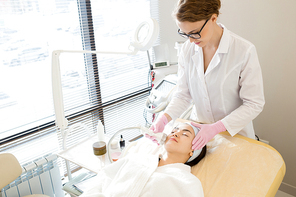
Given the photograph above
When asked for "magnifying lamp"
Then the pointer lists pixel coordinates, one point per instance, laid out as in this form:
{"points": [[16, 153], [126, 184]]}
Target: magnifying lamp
{"points": [[145, 35], [144, 38]]}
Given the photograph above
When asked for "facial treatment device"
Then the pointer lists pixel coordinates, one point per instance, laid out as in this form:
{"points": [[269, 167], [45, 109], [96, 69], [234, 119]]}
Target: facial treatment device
{"points": [[161, 94], [160, 137]]}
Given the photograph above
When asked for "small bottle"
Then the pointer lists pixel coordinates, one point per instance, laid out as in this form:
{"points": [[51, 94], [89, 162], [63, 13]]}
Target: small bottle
{"points": [[114, 144], [100, 131], [115, 150], [122, 142]]}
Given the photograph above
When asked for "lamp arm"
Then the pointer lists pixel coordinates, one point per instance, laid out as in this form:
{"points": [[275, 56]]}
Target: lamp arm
{"points": [[61, 121]]}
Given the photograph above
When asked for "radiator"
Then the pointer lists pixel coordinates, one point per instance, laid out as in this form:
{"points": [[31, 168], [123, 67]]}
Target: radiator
{"points": [[38, 177]]}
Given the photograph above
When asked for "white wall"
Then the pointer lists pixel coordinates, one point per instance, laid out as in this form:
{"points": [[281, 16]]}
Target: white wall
{"points": [[271, 26]]}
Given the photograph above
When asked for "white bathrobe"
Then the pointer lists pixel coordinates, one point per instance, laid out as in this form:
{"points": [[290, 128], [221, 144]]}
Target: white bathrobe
{"points": [[139, 175]]}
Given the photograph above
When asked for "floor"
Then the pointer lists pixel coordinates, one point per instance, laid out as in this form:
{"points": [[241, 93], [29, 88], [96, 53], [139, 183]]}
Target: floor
{"points": [[282, 194]]}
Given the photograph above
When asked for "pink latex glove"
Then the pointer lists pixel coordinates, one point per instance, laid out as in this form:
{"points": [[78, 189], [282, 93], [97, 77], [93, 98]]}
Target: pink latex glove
{"points": [[206, 133], [158, 127]]}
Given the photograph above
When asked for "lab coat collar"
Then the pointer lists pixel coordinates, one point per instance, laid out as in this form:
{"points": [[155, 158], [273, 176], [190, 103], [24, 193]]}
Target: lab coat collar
{"points": [[224, 42], [225, 39]]}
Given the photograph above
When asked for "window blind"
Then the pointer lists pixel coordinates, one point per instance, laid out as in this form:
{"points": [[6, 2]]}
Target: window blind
{"points": [[112, 88], [31, 31]]}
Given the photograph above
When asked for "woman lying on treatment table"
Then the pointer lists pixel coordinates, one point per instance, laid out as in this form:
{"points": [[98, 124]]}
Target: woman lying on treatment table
{"points": [[154, 175]]}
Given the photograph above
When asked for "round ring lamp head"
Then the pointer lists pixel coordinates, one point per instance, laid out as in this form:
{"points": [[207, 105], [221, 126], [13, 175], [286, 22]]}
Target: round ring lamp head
{"points": [[145, 35]]}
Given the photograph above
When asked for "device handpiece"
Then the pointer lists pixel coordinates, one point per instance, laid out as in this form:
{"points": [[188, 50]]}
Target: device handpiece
{"points": [[160, 137]]}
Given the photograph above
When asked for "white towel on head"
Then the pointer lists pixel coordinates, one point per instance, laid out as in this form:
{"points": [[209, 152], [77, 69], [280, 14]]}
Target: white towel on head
{"points": [[196, 152]]}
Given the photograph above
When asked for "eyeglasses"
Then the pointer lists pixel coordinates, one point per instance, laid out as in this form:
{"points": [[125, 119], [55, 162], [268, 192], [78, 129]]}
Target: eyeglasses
{"points": [[193, 35]]}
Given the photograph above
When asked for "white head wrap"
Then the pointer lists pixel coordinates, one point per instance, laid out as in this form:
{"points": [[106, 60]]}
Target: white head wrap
{"points": [[196, 152]]}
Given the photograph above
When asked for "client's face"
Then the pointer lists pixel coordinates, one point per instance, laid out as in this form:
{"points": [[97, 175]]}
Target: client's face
{"points": [[180, 139]]}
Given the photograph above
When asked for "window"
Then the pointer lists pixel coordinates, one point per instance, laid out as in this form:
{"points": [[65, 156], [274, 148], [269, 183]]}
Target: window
{"points": [[107, 87]]}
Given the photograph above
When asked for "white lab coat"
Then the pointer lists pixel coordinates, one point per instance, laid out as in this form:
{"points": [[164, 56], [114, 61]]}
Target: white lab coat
{"points": [[231, 90]]}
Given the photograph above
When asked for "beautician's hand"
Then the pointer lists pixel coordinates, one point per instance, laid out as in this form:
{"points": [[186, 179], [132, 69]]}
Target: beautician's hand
{"points": [[153, 138], [157, 127], [206, 133], [159, 124]]}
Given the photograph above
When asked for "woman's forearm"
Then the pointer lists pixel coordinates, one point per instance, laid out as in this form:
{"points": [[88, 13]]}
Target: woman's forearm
{"points": [[168, 117]]}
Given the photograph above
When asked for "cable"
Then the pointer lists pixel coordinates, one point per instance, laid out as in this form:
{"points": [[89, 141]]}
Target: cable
{"points": [[257, 137]]}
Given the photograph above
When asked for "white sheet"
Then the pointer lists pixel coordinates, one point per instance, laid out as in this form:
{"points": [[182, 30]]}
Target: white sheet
{"points": [[138, 175], [173, 180]]}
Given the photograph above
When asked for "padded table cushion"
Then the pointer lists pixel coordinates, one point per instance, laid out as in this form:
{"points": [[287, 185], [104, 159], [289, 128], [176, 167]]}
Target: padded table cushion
{"points": [[239, 166]]}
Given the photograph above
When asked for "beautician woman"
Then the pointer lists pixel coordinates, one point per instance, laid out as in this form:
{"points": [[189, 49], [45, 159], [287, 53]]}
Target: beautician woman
{"points": [[218, 70]]}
